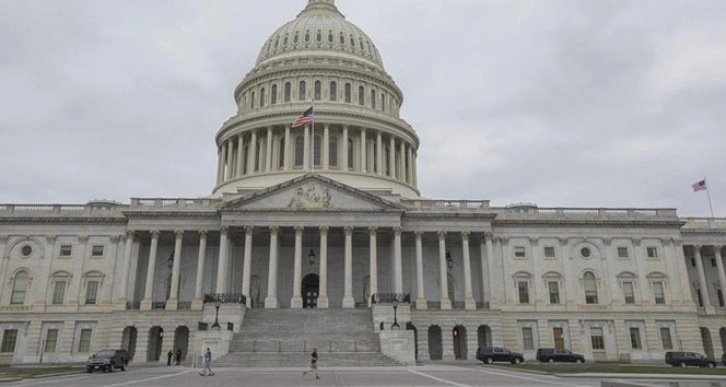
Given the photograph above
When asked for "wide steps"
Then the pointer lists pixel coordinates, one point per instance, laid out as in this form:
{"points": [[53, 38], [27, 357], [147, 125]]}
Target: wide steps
{"points": [[302, 360]]}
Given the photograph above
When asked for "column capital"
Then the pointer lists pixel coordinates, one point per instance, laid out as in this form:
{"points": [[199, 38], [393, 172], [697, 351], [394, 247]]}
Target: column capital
{"points": [[636, 241], [115, 238], [607, 241], [697, 248], [348, 230], [465, 234], [397, 231], [130, 234], [4, 239], [564, 241], [249, 230], [83, 238], [372, 230], [418, 234], [49, 239], [179, 233], [487, 236], [224, 230], [324, 230], [717, 249], [534, 240], [203, 233], [299, 229], [441, 234]]}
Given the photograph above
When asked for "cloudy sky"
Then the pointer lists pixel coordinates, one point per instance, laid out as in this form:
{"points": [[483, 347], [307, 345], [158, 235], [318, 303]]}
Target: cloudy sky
{"points": [[562, 103]]}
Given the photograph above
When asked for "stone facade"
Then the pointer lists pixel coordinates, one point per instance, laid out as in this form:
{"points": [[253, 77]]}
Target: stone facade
{"points": [[291, 226]]}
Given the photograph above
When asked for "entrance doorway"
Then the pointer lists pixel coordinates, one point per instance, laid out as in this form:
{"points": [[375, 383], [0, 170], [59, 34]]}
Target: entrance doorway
{"points": [[310, 288], [128, 341], [156, 342], [559, 338], [459, 337]]}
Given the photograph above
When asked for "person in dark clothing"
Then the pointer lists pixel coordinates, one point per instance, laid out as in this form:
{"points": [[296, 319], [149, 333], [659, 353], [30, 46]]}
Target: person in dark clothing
{"points": [[178, 356], [168, 357], [313, 364]]}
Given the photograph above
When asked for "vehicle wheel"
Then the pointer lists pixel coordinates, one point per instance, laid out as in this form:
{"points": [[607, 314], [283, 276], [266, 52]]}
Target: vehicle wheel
{"points": [[123, 366], [682, 364], [516, 360], [109, 368], [580, 361], [711, 365], [489, 360], [551, 360], [89, 370]]}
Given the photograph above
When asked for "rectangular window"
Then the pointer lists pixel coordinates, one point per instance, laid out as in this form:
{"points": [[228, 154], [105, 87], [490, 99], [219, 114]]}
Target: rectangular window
{"points": [[597, 339], [713, 262], [652, 252], [51, 341], [719, 293], [97, 251], [84, 344], [527, 338], [629, 293], [693, 262], [622, 252], [700, 298], [10, 336], [519, 252], [554, 290], [523, 287], [635, 338], [659, 293], [66, 250], [59, 291], [665, 338], [549, 252], [91, 292]]}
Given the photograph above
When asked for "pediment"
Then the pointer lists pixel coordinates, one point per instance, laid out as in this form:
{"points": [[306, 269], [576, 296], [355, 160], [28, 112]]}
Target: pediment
{"points": [[311, 192]]}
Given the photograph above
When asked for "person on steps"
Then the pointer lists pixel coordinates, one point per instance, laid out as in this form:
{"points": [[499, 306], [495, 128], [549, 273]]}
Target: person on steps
{"points": [[207, 370], [313, 364]]}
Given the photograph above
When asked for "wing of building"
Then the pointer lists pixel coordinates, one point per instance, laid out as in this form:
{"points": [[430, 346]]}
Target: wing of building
{"points": [[317, 236]]}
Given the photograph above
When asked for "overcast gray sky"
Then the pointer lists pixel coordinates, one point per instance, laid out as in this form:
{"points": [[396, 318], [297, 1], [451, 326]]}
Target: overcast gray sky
{"points": [[562, 103]]}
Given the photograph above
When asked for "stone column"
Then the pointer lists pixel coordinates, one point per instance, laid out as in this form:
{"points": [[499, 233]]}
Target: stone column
{"points": [[240, 155], [198, 300], [363, 161], [149, 289], [445, 301], [268, 154], [247, 262], [642, 280], [702, 277], [230, 158], [108, 299], [271, 301], [537, 281], [420, 295], [379, 153], [251, 161], [401, 160], [325, 152], [373, 268], [223, 263], [348, 301], [415, 170], [721, 273], [392, 158], [397, 264], [409, 170], [306, 148], [323, 302], [469, 302], [173, 301], [124, 287], [296, 302], [286, 162], [220, 165], [344, 153]]}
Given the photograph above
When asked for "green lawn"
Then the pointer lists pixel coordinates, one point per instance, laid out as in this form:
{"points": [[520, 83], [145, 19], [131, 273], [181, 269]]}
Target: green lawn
{"points": [[28, 372], [617, 369]]}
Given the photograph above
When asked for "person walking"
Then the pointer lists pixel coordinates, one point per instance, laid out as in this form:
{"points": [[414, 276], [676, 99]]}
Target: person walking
{"points": [[178, 356], [207, 370], [313, 364], [168, 357]]}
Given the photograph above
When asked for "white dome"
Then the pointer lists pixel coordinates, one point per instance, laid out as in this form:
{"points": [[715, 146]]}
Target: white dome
{"points": [[320, 29]]}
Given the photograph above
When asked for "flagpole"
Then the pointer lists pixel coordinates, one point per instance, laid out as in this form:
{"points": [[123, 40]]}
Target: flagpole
{"points": [[708, 195]]}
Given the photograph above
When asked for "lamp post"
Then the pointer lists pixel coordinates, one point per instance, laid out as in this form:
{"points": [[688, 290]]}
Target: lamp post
{"points": [[217, 304], [170, 264], [395, 314], [449, 260]]}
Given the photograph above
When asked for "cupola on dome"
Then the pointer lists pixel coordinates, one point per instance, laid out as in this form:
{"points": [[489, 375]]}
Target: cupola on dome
{"points": [[320, 29]]}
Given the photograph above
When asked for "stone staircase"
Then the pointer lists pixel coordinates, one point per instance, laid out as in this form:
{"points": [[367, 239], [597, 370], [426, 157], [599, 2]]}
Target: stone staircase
{"points": [[285, 338]]}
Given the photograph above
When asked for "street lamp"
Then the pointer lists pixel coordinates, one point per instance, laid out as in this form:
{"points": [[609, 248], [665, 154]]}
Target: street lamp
{"points": [[449, 260], [217, 304], [311, 256], [395, 314]]}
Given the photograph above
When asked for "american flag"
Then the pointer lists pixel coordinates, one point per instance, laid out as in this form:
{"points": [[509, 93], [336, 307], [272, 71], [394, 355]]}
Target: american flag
{"points": [[699, 186], [303, 119]]}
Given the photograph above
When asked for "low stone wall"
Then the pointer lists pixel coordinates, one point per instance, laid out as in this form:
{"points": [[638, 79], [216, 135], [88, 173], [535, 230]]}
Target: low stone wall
{"points": [[399, 345]]}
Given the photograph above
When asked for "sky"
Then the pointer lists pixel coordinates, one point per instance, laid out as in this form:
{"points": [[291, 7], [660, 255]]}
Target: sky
{"points": [[562, 103]]}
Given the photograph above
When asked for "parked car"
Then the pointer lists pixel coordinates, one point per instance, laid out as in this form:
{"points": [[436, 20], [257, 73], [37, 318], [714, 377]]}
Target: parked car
{"points": [[107, 360], [552, 355], [491, 354], [684, 359], [723, 359]]}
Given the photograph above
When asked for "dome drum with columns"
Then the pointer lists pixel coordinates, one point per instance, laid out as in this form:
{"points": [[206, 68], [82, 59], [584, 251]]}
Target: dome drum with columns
{"points": [[321, 60]]}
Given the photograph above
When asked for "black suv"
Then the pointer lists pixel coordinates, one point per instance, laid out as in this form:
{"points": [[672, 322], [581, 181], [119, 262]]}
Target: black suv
{"points": [[491, 354], [107, 360], [564, 355], [683, 359]]}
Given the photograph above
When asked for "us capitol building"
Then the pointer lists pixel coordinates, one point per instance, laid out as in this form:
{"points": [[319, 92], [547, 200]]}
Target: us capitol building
{"points": [[325, 228]]}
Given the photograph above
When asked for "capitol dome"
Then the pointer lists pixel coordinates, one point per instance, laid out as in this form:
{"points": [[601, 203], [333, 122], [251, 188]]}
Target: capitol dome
{"points": [[323, 61]]}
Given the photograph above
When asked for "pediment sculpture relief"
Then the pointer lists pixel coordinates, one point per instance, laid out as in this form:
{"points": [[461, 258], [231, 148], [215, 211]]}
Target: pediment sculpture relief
{"points": [[310, 196]]}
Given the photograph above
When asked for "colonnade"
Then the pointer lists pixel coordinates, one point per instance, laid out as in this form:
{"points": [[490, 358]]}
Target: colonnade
{"points": [[703, 289], [362, 150]]}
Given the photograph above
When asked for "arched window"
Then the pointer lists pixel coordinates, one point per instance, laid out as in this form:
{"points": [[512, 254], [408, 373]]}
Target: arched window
{"points": [[284, 42], [299, 151], [273, 95], [590, 284], [301, 91], [333, 152], [350, 154], [342, 39], [361, 96], [347, 92], [277, 42], [316, 155], [20, 287], [319, 36], [373, 99], [318, 90], [252, 101], [288, 91], [296, 38], [333, 91], [330, 36], [352, 41], [307, 36], [262, 97], [383, 102], [281, 154]]}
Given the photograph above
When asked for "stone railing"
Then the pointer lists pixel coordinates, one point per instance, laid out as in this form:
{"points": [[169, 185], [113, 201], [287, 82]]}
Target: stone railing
{"points": [[517, 211], [61, 209], [171, 204], [389, 298], [447, 205], [225, 298], [704, 223]]}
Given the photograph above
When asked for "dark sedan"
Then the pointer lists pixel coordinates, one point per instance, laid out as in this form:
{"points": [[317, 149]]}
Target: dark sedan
{"points": [[490, 355]]}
